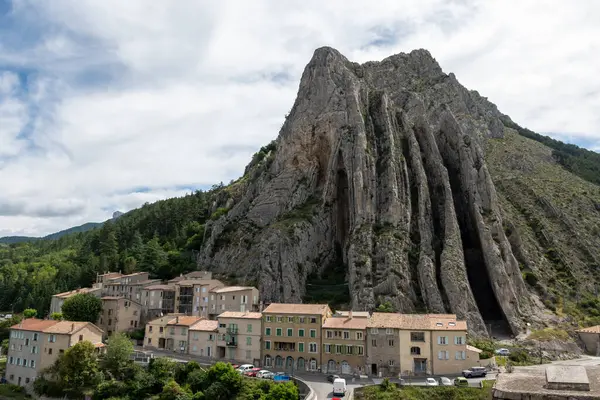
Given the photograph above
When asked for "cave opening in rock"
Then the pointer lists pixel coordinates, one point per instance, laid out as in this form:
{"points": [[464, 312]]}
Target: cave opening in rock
{"points": [[342, 203], [477, 272]]}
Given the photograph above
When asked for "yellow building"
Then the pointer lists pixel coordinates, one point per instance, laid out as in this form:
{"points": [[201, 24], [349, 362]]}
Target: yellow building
{"points": [[156, 332], [344, 344], [36, 344], [119, 315], [292, 337], [203, 338]]}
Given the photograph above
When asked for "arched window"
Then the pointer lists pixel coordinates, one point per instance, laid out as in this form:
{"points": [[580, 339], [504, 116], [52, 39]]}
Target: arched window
{"points": [[415, 351]]}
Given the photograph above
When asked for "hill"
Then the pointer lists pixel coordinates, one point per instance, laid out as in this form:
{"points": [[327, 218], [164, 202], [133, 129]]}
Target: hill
{"points": [[389, 183]]}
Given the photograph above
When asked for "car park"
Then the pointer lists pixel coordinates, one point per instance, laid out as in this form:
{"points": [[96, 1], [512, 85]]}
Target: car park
{"points": [[474, 372], [445, 381], [431, 382], [461, 381]]}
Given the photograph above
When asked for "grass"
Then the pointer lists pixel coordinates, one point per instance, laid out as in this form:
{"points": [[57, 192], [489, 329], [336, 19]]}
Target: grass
{"points": [[548, 334], [12, 392], [377, 392]]}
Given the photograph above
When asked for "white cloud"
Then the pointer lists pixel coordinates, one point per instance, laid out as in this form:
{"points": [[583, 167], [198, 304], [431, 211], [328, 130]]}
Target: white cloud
{"points": [[120, 95]]}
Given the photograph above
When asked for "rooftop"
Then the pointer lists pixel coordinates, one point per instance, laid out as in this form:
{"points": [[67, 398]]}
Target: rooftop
{"points": [[66, 327], [160, 287], [240, 314], [430, 322], [346, 323], [228, 289], [591, 329], [184, 320], [205, 325], [281, 308], [50, 326], [355, 314], [70, 293], [200, 282]]}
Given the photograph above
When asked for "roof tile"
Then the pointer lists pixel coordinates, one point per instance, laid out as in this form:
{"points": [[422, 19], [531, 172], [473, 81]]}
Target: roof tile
{"points": [[281, 308]]}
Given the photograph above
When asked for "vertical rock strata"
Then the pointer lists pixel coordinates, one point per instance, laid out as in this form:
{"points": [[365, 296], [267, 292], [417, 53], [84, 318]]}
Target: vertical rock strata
{"points": [[379, 167]]}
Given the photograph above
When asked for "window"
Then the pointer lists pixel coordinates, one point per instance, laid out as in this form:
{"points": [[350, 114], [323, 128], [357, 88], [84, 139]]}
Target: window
{"points": [[415, 351], [417, 336], [24, 362], [27, 380], [460, 355], [327, 348], [389, 331], [203, 290], [18, 361], [346, 335], [391, 342], [268, 361], [443, 355], [49, 351], [268, 318], [109, 321], [329, 334], [52, 338], [248, 354], [183, 331], [459, 340], [244, 299], [313, 333], [34, 350], [348, 349], [11, 360], [27, 342], [291, 320], [374, 342], [161, 330], [248, 341], [35, 337], [301, 347], [442, 340], [312, 347], [32, 363], [267, 345], [279, 318], [301, 332], [109, 312], [222, 325], [359, 336], [391, 363], [172, 331], [360, 350], [150, 328], [290, 332], [278, 332], [80, 338], [267, 331], [374, 331], [249, 328], [302, 320], [313, 320], [338, 349]]}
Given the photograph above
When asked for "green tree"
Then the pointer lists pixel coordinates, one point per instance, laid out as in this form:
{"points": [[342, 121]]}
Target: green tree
{"points": [[117, 360], [226, 382], [283, 391], [30, 313], [385, 307], [78, 369], [56, 316], [172, 391], [82, 307], [109, 250], [4, 347], [155, 257]]}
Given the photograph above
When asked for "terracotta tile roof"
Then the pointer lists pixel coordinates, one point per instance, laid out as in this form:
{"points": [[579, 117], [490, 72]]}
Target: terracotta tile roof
{"points": [[134, 274], [228, 289], [591, 329], [205, 325], [240, 314], [355, 314], [162, 320], [184, 320], [160, 287], [34, 324], [111, 298], [281, 308], [66, 327], [70, 293], [145, 282], [417, 321], [345, 323], [200, 282]]}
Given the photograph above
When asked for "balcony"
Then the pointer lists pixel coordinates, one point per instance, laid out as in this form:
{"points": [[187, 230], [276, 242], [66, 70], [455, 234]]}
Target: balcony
{"points": [[231, 343], [232, 331]]}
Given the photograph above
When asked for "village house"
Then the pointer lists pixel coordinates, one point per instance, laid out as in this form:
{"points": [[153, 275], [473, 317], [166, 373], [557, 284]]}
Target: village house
{"points": [[157, 300], [177, 335], [191, 296], [203, 338], [233, 298], [59, 299], [129, 286], [590, 337], [344, 344], [36, 344], [194, 275], [239, 337], [101, 279], [292, 337], [119, 315]]}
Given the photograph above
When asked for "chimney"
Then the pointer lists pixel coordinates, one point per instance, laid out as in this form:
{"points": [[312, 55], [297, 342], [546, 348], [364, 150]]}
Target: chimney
{"points": [[72, 327], [261, 306], [350, 314], [177, 320]]}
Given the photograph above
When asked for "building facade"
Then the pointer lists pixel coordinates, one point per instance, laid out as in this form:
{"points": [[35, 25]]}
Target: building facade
{"points": [[36, 344], [203, 338], [292, 337], [344, 344], [128, 286], [178, 333], [194, 275], [156, 332], [233, 298], [59, 299], [191, 296], [239, 337], [157, 300], [119, 315]]}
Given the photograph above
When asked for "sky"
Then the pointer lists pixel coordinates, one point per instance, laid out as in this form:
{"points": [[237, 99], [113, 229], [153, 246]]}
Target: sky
{"points": [[108, 104]]}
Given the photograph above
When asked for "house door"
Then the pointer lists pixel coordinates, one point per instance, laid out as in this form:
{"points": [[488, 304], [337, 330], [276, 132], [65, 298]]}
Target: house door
{"points": [[331, 366], [420, 365], [301, 366], [373, 369], [346, 368], [208, 353]]}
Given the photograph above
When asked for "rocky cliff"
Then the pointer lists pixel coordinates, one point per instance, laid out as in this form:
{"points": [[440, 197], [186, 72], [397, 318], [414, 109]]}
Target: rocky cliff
{"points": [[380, 170]]}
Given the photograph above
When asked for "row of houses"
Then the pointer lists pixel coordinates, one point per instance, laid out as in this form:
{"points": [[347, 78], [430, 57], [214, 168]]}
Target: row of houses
{"points": [[129, 301], [309, 337]]}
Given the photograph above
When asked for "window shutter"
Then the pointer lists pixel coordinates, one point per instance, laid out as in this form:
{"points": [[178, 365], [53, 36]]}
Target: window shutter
{"points": [[439, 340]]}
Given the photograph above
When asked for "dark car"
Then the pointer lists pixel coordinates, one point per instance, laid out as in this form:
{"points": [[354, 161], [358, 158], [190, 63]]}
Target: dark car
{"points": [[331, 378]]}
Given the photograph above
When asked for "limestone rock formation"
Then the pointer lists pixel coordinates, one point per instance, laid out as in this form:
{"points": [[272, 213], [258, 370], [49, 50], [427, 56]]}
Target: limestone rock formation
{"points": [[380, 168]]}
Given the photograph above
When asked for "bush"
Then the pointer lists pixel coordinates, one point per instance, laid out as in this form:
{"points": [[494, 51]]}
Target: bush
{"points": [[549, 334]]}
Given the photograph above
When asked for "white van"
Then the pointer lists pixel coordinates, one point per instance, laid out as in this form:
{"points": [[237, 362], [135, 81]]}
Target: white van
{"points": [[339, 387], [245, 367]]}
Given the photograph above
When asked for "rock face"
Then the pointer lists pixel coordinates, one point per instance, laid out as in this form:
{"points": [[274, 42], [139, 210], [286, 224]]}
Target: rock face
{"points": [[380, 168]]}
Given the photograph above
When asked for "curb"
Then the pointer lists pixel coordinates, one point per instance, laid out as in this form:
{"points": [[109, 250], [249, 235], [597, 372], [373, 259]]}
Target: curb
{"points": [[311, 394]]}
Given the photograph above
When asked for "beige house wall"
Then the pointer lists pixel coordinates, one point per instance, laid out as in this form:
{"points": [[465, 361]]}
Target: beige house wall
{"points": [[247, 336], [591, 341], [281, 321], [202, 343], [22, 346], [155, 331], [412, 362], [177, 338], [240, 300], [383, 351], [119, 315], [344, 362], [454, 355]]}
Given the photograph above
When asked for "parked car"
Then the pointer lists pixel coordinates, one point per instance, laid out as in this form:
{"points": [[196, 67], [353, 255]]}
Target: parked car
{"points": [[474, 372], [461, 381], [339, 387], [252, 372], [245, 367], [260, 373], [431, 382], [503, 352], [445, 381], [332, 378]]}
